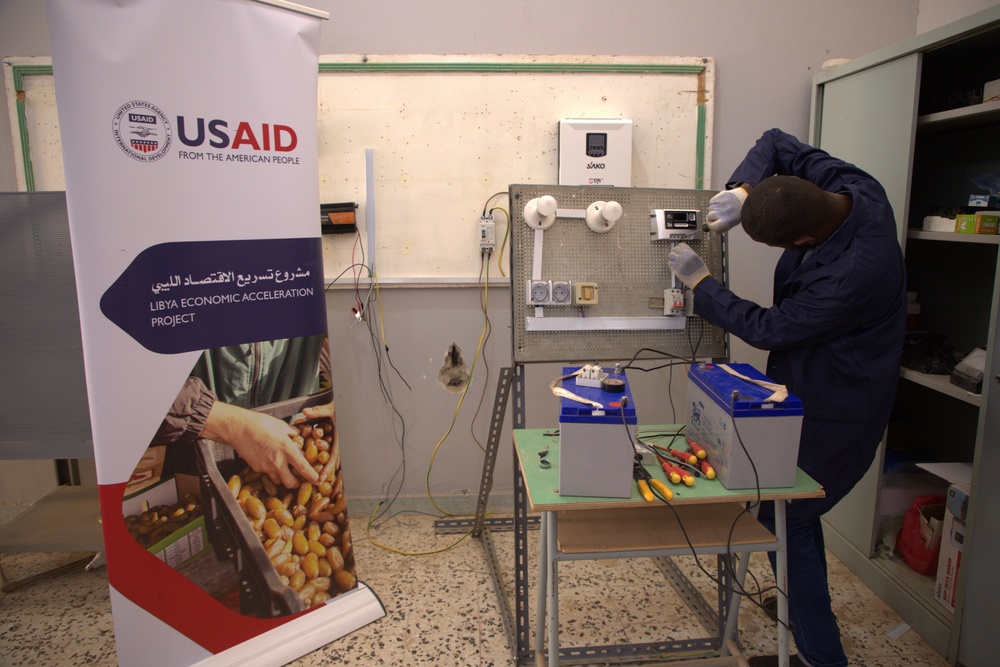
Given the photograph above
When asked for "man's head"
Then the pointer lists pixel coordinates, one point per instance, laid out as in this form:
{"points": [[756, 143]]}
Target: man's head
{"points": [[789, 212]]}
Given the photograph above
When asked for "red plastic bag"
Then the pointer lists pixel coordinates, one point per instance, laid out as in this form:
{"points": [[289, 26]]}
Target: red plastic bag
{"points": [[917, 542]]}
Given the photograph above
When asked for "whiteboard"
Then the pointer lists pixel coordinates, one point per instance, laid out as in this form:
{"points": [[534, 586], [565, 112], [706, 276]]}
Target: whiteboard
{"points": [[445, 133]]}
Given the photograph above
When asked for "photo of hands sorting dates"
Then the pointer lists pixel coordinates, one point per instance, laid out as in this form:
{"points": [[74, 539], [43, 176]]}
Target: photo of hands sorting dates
{"points": [[241, 490]]}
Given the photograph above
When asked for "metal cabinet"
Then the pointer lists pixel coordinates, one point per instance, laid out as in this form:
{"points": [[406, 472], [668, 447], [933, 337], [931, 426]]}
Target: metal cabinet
{"points": [[907, 114]]}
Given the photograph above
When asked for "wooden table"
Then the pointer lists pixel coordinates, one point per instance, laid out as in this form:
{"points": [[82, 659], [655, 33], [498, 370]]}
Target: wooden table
{"points": [[714, 518]]}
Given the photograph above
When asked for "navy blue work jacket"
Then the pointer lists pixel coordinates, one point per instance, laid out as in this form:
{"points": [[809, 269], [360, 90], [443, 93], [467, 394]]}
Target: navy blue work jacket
{"points": [[835, 331]]}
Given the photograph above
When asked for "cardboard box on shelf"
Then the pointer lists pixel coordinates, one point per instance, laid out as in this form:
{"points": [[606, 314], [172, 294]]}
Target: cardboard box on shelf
{"points": [[985, 201], [984, 222], [958, 500], [991, 91], [932, 526], [949, 561], [958, 476]]}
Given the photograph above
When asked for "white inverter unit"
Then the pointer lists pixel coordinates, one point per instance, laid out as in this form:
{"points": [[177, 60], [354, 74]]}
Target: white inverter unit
{"points": [[595, 151]]}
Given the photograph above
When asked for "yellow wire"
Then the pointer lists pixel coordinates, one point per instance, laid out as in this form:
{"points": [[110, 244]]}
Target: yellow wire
{"points": [[371, 517], [430, 467], [394, 550], [502, 243]]}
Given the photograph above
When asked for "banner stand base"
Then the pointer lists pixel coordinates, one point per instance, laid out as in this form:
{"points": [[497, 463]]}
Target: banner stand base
{"points": [[280, 646]]}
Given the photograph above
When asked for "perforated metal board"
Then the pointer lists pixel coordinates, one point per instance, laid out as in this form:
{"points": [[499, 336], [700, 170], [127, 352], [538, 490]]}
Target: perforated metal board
{"points": [[628, 267]]}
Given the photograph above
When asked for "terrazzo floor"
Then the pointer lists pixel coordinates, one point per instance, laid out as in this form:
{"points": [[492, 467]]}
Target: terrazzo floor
{"points": [[442, 609]]}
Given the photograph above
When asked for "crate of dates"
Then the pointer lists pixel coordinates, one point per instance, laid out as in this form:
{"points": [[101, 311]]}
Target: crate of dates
{"points": [[291, 548]]}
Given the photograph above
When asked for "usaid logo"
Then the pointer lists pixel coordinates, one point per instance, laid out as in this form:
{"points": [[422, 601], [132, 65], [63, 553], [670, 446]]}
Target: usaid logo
{"points": [[142, 131], [595, 165]]}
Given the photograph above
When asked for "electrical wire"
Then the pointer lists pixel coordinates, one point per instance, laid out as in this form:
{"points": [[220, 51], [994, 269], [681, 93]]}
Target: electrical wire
{"points": [[484, 303], [397, 418], [394, 550], [458, 407], [503, 243], [735, 588], [491, 198], [372, 318]]}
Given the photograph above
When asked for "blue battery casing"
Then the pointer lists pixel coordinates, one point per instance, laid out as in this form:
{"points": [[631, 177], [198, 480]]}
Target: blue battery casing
{"points": [[573, 412], [750, 400]]}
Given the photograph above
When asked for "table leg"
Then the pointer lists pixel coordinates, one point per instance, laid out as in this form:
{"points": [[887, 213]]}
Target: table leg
{"points": [[732, 617], [781, 577], [542, 592], [552, 546], [734, 602]]}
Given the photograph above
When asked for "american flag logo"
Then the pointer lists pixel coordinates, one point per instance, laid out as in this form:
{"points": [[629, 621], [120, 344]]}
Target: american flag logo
{"points": [[144, 145]]}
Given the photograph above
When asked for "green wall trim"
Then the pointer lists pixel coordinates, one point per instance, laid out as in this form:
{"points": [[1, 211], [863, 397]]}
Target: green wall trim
{"points": [[18, 73], [503, 68], [699, 164]]}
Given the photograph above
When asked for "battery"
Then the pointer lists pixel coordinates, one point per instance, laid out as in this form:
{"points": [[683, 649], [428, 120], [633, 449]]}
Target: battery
{"points": [[750, 441], [596, 449]]}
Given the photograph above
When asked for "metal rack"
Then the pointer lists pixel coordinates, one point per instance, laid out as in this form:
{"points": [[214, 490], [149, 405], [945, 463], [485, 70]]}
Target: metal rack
{"points": [[630, 270]]}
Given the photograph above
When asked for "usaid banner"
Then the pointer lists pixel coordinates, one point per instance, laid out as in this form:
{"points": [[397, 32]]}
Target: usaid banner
{"points": [[188, 131]]}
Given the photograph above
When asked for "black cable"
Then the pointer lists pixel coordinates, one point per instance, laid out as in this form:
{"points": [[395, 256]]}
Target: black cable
{"points": [[735, 588], [400, 436], [483, 302], [370, 317], [491, 198], [746, 510]]}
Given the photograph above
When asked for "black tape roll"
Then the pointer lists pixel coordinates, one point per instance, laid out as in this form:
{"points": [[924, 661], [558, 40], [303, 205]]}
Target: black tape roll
{"points": [[613, 385]]}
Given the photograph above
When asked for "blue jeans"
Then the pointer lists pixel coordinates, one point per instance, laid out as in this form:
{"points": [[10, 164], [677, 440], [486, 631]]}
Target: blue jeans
{"points": [[814, 626]]}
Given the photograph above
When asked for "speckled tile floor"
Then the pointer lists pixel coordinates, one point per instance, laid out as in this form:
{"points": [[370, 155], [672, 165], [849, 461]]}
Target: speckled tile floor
{"points": [[442, 610]]}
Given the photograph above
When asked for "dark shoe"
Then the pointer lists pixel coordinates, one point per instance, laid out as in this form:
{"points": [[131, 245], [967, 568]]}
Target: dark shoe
{"points": [[772, 661]]}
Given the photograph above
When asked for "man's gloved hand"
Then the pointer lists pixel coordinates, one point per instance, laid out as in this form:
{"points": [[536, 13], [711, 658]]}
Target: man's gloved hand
{"points": [[724, 210], [687, 265]]}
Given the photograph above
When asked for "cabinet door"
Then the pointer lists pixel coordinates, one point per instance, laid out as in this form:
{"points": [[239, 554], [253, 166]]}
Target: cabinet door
{"points": [[979, 577], [869, 119]]}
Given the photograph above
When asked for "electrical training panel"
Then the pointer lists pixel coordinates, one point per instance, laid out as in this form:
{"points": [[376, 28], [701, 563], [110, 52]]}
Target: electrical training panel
{"points": [[590, 278]]}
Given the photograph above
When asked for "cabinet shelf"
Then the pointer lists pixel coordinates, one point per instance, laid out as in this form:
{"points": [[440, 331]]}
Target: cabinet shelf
{"points": [[977, 115], [954, 237], [920, 586], [942, 384]]}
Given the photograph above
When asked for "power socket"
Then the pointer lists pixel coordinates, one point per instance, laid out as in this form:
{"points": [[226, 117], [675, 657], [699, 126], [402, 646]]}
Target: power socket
{"points": [[487, 234], [539, 292]]}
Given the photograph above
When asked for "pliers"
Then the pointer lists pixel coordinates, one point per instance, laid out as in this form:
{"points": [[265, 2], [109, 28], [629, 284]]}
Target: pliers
{"points": [[644, 481]]}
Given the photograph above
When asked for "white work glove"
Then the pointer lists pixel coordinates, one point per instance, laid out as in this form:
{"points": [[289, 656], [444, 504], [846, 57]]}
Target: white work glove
{"points": [[724, 210], [687, 265]]}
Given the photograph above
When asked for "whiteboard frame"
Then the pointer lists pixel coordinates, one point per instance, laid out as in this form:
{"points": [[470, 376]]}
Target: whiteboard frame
{"points": [[336, 247]]}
